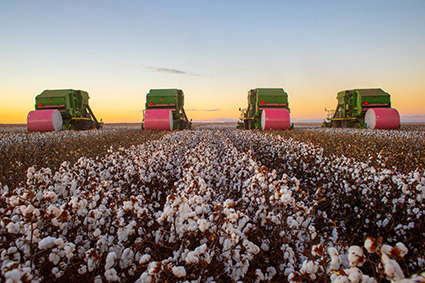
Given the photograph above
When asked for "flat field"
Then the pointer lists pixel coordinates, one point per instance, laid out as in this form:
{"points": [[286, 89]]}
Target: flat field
{"points": [[213, 204]]}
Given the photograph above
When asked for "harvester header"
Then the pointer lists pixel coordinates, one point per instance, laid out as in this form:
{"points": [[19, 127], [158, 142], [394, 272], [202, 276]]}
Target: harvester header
{"points": [[268, 108], [164, 110], [361, 108], [66, 109]]}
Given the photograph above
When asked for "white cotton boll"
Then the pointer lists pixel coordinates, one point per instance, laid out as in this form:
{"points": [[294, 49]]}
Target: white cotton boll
{"points": [[96, 232], [265, 247], [335, 260], [54, 258], [51, 196], [367, 279], [82, 269], [56, 272], [69, 250], [203, 225], [13, 201], [309, 267], [392, 268], [28, 210], [271, 272], [251, 247], [55, 222], [192, 257], [128, 205], [341, 279], [145, 259], [110, 260], [13, 228], [145, 278], [401, 248], [260, 275], [126, 258], [229, 203], [36, 212], [371, 245], [179, 271], [386, 249], [60, 243], [46, 243], [53, 210], [355, 256], [355, 275], [111, 275]]}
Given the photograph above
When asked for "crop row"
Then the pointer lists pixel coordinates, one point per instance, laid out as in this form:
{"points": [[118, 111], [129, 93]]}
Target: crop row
{"points": [[400, 150], [20, 150]]}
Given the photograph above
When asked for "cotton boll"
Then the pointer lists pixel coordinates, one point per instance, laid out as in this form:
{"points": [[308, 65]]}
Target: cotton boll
{"points": [[69, 250], [310, 268], [371, 245], [110, 260], [264, 246], [392, 268], [13, 228], [367, 279], [335, 260], [126, 258], [192, 257], [56, 272], [54, 211], [111, 275], [145, 278], [60, 243], [145, 259], [355, 275], [82, 269], [386, 249], [179, 271], [341, 279], [54, 258], [203, 225], [401, 249], [51, 196], [355, 256], [46, 243]]}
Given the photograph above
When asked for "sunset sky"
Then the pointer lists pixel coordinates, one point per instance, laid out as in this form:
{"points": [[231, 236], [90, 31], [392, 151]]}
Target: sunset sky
{"points": [[215, 51]]}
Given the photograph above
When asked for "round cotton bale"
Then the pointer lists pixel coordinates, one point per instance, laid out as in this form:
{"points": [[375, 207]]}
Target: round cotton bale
{"points": [[275, 119], [159, 119], [382, 118], [44, 120]]}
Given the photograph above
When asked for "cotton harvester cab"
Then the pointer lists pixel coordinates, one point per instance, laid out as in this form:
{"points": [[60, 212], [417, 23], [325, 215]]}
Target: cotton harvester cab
{"points": [[59, 109], [361, 108], [268, 109], [164, 110]]}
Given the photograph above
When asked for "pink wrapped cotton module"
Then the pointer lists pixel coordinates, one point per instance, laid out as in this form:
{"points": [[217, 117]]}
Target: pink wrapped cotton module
{"points": [[275, 118], [44, 120], [159, 119]]}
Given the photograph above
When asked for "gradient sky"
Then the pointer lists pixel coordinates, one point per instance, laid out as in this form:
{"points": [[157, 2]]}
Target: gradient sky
{"points": [[214, 50]]}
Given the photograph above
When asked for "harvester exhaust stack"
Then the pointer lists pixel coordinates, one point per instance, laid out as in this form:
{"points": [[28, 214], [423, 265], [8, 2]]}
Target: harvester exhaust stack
{"points": [[268, 109], [59, 109]]}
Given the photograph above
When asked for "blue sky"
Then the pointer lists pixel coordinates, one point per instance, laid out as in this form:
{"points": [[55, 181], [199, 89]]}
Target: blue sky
{"points": [[214, 50]]}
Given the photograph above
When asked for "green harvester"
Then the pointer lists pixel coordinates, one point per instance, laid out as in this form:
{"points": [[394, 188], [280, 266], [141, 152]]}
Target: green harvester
{"points": [[268, 108], [164, 110], [73, 106], [353, 106]]}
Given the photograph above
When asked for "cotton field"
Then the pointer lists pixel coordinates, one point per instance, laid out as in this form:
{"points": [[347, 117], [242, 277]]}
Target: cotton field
{"points": [[214, 205]]}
